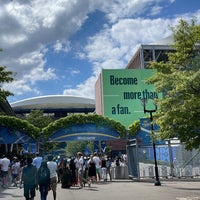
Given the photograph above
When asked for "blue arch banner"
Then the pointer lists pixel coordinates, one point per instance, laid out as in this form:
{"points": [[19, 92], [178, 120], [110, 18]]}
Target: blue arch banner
{"points": [[88, 132], [10, 136]]}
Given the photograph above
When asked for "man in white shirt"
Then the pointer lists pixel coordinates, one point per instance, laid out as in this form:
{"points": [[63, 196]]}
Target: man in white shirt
{"points": [[4, 163], [37, 160], [52, 165]]}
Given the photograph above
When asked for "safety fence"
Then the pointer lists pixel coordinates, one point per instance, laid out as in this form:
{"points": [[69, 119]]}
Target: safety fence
{"points": [[173, 160]]}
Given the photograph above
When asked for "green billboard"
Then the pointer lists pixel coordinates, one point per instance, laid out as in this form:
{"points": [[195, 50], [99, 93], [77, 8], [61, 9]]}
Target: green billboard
{"points": [[123, 90]]}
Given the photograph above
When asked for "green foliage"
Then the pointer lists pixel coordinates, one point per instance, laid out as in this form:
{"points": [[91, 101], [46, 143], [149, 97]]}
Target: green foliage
{"points": [[134, 128], [179, 81], [74, 119], [74, 147], [19, 124], [39, 120], [90, 146], [5, 77]]}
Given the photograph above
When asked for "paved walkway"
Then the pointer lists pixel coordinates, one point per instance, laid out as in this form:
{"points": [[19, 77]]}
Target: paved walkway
{"points": [[119, 190]]}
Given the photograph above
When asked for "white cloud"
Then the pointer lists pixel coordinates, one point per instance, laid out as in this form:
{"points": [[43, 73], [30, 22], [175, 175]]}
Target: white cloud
{"points": [[117, 9], [62, 46], [156, 10], [85, 89], [30, 29], [74, 72], [114, 47]]}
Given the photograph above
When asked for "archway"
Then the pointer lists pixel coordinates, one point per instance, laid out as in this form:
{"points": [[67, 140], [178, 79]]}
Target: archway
{"points": [[84, 127], [84, 132], [15, 131]]}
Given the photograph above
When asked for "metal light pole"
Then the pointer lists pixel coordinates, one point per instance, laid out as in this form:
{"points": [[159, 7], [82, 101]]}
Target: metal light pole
{"points": [[144, 102]]}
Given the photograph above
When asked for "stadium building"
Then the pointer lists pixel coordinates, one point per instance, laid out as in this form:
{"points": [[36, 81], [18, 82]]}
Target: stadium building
{"points": [[56, 106]]}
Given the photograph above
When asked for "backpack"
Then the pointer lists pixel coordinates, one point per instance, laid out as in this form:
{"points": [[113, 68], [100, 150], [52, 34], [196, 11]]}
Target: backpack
{"points": [[43, 176], [28, 174]]}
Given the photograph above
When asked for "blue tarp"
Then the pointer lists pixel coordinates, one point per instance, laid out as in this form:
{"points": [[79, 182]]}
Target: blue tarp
{"points": [[88, 132], [10, 136]]}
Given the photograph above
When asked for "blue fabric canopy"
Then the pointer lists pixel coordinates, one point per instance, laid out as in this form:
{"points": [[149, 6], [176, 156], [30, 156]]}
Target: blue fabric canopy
{"points": [[10, 136], [88, 132]]}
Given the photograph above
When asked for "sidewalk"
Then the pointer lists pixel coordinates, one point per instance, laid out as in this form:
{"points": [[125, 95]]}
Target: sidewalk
{"points": [[119, 190]]}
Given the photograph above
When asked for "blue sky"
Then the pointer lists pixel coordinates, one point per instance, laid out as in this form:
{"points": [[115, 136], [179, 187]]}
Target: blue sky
{"points": [[59, 47]]}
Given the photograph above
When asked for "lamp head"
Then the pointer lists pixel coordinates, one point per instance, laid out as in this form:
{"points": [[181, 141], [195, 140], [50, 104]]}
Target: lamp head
{"points": [[144, 101]]}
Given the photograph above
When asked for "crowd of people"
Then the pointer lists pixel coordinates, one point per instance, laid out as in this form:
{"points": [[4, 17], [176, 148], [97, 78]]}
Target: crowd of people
{"points": [[44, 173], [81, 170]]}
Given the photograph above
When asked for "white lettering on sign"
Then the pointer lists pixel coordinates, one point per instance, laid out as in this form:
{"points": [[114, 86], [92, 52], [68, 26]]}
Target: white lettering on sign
{"points": [[85, 138]]}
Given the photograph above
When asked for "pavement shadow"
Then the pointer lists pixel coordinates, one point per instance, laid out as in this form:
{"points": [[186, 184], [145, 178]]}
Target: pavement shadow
{"points": [[185, 188]]}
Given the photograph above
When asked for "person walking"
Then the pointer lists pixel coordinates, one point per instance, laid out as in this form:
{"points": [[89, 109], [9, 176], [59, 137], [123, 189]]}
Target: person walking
{"points": [[80, 169], [29, 179], [103, 169], [97, 162], [37, 160], [91, 170], [52, 165], [4, 163], [66, 176], [44, 180], [72, 167], [15, 170]]}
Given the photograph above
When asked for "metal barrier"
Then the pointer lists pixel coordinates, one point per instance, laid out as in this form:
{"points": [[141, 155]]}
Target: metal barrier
{"points": [[119, 172], [173, 161]]}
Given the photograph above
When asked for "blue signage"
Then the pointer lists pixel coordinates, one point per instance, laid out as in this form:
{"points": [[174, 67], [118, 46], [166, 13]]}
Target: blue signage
{"points": [[10, 136], [144, 135], [88, 132]]}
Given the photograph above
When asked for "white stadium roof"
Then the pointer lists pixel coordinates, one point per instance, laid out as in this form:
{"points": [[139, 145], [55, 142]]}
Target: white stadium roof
{"points": [[54, 102]]}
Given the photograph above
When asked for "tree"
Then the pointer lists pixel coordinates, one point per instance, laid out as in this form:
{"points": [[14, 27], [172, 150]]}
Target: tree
{"points": [[5, 77], [179, 81], [74, 147], [39, 120]]}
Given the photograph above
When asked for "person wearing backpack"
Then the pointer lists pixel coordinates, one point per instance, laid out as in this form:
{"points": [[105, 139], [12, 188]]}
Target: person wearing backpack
{"points": [[44, 180]]}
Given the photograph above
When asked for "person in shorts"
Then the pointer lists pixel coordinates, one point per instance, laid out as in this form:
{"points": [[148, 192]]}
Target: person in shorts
{"points": [[4, 164], [52, 165]]}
